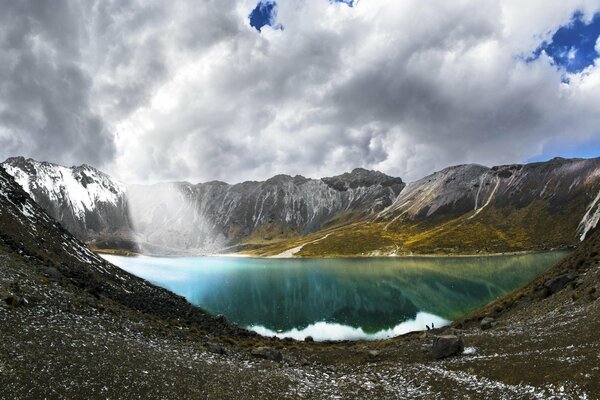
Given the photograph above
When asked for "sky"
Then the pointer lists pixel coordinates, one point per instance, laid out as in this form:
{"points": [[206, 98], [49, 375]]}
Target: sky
{"points": [[238, 90]]}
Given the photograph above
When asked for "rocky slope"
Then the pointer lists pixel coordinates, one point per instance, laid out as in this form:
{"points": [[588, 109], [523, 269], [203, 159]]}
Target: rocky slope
{"points": [[215, 215], [74, 325], [472, 208], [460, 210], [206, 217], [32, 236], [87, 202]]}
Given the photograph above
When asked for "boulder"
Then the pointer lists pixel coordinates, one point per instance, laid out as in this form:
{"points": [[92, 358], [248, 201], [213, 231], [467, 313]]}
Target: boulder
{"points": [[557, 283], [486, 323], [15, 301], [52, 273], [309, 339], [216, 348], [446, 346], [374, 353], [267, 353]]}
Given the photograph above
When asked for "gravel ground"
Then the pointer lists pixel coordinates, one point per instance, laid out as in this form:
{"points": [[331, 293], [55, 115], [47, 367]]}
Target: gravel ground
{"points": [[63, 345]]}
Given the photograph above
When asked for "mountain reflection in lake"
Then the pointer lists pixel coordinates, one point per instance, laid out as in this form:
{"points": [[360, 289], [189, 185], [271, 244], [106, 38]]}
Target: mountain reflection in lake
{"points": [[339, 298]]}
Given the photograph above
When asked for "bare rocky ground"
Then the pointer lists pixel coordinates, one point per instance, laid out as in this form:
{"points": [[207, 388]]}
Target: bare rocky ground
{"points": [[60, 343], [73, 326]]}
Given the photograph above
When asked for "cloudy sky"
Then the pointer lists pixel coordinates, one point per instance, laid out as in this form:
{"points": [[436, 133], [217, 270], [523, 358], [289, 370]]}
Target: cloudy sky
{"points": [[236, 90]]}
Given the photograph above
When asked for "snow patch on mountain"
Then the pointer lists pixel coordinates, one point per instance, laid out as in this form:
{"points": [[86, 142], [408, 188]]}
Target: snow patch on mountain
{"points": [[83, 187], [590, 219]]}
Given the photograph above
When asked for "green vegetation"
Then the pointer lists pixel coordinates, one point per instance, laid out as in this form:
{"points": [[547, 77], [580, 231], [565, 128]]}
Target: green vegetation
{"points": [[494, 230]]}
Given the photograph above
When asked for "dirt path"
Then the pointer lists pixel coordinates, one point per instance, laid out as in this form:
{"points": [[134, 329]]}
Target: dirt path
{"points": [[291, 252]]}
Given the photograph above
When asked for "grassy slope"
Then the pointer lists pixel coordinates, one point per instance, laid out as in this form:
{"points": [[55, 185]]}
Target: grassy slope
{"points": [[493, 230]]}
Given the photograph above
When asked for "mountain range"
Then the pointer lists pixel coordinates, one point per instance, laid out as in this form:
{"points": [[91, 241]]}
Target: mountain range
{"points": [[459, 210]]}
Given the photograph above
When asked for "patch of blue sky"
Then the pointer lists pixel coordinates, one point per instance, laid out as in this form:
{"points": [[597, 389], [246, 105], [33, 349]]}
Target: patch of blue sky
{"points": [[264, 14], [349, 3], [573, 47], [586, 149]]}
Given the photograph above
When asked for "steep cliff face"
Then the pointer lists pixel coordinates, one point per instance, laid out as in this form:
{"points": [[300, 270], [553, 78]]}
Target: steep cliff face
{"points": [[173, 217], [461, 209], [214, 215], [472, 208], [86, 201]]}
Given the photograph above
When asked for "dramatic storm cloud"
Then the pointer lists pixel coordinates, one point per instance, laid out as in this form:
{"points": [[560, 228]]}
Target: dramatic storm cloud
{"points": [[236, 90]]}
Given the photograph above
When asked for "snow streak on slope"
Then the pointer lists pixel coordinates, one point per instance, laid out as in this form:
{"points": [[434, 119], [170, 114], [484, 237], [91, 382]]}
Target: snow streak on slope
{"points": [[30, 218], [591, 218], [489, 200], [83, 186]]}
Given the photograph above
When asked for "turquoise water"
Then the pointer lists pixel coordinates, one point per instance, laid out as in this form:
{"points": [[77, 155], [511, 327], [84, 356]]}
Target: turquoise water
{"points": [[339, 298]]}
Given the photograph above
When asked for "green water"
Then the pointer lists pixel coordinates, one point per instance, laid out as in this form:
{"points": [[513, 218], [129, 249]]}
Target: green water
{"points": [[340, 298]]}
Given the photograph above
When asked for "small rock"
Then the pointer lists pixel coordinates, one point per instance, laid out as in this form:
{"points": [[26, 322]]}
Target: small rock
{"points": [[221, 318], [309, 339], [216, 348], [52, 273], [446, 346], [267, 353], [15, 301], [374, 353], [486, 323]]}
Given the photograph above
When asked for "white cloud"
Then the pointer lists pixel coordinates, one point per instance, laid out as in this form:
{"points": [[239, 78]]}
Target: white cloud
{"points": [[405, 87]]}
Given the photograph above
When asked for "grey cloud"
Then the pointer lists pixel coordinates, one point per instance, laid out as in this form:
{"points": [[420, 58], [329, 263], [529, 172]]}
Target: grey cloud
{"points": [[45, 92], [188, 90]]}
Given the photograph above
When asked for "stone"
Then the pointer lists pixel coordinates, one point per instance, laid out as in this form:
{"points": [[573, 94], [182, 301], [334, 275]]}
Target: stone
{"points": [[446, 346], [221, 318], [267, 353], [15, 301], [216, 348], [486, 323], [556, 284], [52, 273], [309, 339]]}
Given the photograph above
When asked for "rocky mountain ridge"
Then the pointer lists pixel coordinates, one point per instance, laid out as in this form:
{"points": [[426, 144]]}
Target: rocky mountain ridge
{"points": [[471, 208], [87, 202], [206, 217], [461, 209]]}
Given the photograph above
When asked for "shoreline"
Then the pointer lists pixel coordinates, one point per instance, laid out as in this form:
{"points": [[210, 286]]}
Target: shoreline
{"points": [[358, 256]]}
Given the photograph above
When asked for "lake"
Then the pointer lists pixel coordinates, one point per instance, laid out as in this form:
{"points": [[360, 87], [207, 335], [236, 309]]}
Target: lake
{"points": [[336, 299]]}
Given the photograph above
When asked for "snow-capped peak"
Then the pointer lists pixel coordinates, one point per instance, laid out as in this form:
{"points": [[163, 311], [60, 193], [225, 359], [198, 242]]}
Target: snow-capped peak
{"points": [[84, 187]]}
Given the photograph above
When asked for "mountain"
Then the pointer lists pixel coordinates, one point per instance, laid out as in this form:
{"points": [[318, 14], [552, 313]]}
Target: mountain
{"points": [[215, 215], [461, 209], [467, 209], [207, 217], [87, 202]]}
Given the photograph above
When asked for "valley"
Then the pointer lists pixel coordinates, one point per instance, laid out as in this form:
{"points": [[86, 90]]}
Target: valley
{"points": [[73, 322], [461, 210]]}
